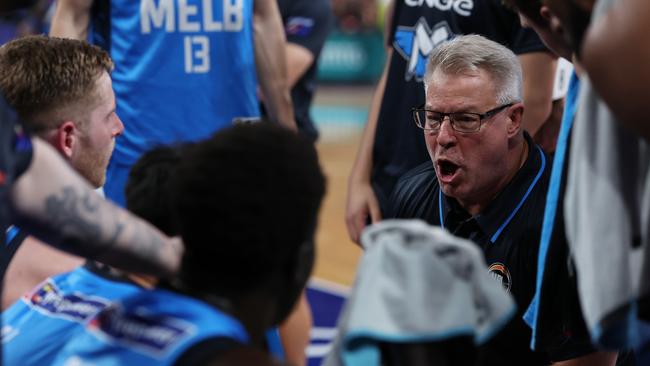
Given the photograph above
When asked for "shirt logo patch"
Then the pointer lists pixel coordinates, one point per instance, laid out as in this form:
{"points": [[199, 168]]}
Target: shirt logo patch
{"points": [[461, 7], [146, 333], [416, 43], [8, 333], [500, 272], [299, 26], [48, 300]]}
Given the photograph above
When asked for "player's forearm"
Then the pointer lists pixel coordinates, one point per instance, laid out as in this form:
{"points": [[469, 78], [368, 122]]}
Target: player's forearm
{"points": [[71, 19], [363, 164], [539, 76], [57, 206], [271, 63], [299, 60]]}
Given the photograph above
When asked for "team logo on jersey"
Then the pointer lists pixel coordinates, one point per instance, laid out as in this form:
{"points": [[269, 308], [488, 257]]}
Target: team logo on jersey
{"points": [[501, 274], [416, 43], [299, 26], [461, 7], [8, 333], [48, 300], [145, 333]]}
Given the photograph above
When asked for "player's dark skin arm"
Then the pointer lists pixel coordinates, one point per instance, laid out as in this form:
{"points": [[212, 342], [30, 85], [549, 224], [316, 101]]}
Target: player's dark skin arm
{"points": [[56, 205], [617, 65]]}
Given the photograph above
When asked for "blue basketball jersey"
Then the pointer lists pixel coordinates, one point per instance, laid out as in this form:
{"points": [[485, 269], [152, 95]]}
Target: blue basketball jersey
{"points": [[183, 69], [36, 327], [150, 328]]}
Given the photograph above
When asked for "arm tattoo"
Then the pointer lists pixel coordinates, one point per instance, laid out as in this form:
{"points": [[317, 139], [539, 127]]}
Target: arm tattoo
{"points": [[148, 245], [78, 216], [92, 229]]}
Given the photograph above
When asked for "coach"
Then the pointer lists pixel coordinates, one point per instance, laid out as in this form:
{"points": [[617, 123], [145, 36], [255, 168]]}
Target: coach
{"points": [[488, 179]]}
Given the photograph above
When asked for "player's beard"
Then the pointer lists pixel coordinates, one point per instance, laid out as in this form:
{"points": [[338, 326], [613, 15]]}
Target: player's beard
{"points": [[92, 162]]}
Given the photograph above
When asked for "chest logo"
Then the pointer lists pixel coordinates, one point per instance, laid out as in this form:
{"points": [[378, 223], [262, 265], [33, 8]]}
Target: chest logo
{"points": [[500, 272], [461, 7], [140, 330], [76, 307], [415, 44]]}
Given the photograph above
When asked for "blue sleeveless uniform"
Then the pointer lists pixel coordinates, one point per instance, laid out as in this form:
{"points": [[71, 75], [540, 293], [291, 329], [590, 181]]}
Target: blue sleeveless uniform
{"points": [[150, 328], [183, 70], [36, 327]]}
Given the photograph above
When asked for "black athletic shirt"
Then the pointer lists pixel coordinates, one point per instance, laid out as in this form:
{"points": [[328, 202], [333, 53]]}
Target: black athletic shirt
{"points": [[306, 23], [15, 156], [508, 231], [415, 30]]}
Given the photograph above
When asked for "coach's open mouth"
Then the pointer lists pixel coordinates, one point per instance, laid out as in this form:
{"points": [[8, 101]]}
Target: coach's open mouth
{"points": [[447, 168]]}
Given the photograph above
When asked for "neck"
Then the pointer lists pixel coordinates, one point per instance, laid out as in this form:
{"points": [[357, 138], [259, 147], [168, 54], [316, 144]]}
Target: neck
{"points": [[514, 163], [253, 310], [254, 318], [145, 281]]}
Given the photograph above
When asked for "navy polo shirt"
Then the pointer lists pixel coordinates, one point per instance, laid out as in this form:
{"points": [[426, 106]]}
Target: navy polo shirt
{"points": [[508, 231]]}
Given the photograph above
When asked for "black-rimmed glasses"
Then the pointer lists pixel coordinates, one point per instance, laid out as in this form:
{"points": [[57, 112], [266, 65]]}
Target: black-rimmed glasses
{"points": [[466, 122]]}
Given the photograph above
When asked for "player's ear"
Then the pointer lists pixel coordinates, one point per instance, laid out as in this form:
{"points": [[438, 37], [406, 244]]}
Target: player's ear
{"points": [[554, 23], [64, 138]]}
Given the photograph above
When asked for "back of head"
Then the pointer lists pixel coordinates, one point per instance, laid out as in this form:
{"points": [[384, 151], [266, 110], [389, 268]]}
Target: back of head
{"points": [[45, 79], [247, 201], [471, 53], [147, 189]]}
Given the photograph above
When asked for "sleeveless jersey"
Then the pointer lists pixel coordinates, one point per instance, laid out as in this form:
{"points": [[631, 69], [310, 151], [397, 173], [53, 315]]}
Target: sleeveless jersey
{"points": [[150, 328], [417, 27], [36, 327], [183, 69]]}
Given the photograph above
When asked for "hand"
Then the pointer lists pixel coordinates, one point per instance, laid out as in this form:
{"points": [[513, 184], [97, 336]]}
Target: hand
{"points": [[361, 203]]}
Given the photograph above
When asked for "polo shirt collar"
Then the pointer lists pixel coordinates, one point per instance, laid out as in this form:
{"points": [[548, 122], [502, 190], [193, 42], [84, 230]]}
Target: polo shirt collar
{"points": [[496, 217]]}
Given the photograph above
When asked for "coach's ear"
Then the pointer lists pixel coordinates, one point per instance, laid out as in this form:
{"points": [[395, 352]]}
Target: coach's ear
{"points": [[64, 138], [515, 114]]}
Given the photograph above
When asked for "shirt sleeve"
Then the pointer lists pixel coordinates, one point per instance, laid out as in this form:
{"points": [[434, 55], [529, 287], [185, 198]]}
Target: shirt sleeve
{"points": [[525, 40], [308, 23], [519, 39]]}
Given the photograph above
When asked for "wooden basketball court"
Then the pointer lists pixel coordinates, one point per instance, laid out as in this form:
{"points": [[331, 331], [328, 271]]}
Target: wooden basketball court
{"points": [[337, 255]]}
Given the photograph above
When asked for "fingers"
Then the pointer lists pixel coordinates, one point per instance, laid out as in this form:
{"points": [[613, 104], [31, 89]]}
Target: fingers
{"points": [[375, 211], [361, 204], [355, 221]]}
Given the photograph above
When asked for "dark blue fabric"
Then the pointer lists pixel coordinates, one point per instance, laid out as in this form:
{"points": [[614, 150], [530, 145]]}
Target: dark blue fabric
{"points": [[552, 200]]}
